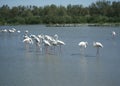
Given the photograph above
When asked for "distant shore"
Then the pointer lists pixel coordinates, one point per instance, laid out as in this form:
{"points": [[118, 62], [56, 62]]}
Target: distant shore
{"points": [[70, 25], [86, 24]]}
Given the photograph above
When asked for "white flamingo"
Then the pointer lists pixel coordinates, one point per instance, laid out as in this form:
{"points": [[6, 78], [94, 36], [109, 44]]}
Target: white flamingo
{"points": [[46, 43], [37, 40], [12, 30], [47, 37], [97, 45], [113, 33], [18, 31], [59, 42], [83, 44], [40, 38], [26, 31], [51, 40], [5, 30], [56, 37], [28, 40]]}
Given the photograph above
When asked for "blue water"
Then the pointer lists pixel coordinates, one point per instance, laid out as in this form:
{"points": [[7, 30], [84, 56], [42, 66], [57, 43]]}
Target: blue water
{"points": [[21, 66]]}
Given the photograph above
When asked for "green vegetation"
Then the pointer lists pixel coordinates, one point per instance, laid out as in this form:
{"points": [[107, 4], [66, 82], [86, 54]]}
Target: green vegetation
{"points": [[99, 12]]}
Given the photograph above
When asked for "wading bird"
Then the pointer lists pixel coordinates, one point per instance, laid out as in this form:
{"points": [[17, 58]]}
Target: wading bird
{"points": [[83, 44], [113, 33], [59, 42], [97, 45], [28, 40]]}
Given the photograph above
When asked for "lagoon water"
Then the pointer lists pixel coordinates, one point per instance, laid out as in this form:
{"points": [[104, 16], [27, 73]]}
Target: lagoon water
{"points": [[21, 66]]}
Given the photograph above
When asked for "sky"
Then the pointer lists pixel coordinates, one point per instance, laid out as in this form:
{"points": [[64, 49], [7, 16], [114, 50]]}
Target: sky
{"points": [[38, 3]]}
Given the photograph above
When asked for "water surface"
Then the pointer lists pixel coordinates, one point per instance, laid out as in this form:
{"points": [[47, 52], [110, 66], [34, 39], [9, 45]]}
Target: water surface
{"points": [[21, 66]]}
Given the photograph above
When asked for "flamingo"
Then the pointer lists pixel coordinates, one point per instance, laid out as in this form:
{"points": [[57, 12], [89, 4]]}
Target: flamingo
{"points": [[28, 40], [83, 44], [51, 40], [46, 43], [40, 36], [5, 30], [47, 37], [56, 37], [37, 40], [26, 31], [113, 33], [12, 30], [97, 45], [59, 42], [18, 31]]}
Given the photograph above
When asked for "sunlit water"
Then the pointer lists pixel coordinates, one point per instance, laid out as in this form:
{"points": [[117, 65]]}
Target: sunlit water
{"points": [[28, 66]]}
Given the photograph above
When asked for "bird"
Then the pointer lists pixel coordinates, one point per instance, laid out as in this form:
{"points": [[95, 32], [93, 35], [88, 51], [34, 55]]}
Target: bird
{"points": [[46, 43], [59, 42], [36, 39], [4, 30], [56, 37], [47, 37], [26, 31], [97, 45], [18, 31], [113, 33], [28, 40], [12, 30], [51, 40], [83, 44]]}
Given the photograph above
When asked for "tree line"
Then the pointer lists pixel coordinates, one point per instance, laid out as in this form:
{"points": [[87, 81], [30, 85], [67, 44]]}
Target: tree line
{"points": [[98, 12]]}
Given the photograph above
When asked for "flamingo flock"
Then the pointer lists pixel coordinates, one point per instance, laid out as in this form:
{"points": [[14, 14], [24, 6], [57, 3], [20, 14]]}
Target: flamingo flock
{"points": [[10, 30], [50, 41], [84, 45], [97, 45], [43, 40]]}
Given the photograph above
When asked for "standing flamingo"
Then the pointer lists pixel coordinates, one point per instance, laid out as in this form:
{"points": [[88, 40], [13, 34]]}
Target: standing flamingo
{"points": [[28, 40], [59, 42], [113, 34], [83, 45], [46, 43], [97, 45], [36, 39]]}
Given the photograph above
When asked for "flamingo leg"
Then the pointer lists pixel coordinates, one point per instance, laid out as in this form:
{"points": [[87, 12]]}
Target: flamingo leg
{"points": [[60, 49], [97, 51]]}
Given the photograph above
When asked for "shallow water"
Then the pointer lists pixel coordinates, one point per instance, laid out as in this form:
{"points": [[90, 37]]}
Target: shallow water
{"points": [[28, 66]]}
